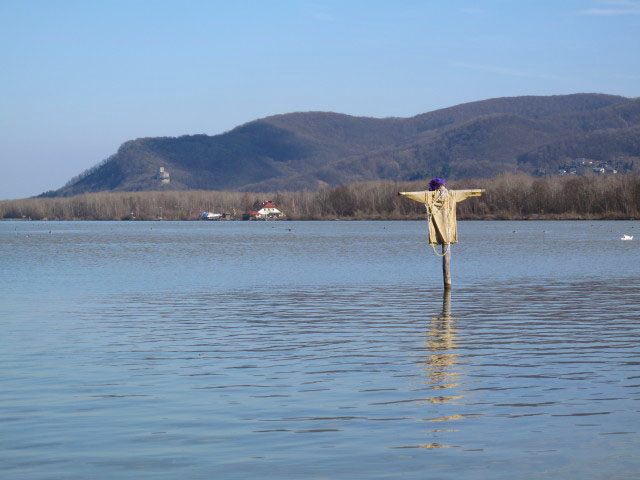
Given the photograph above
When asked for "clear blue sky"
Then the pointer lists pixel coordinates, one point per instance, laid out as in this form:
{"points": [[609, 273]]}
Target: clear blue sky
{"points": [[78, 78]]}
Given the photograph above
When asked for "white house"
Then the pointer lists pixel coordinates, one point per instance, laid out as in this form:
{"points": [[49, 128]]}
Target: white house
{"points": [[163, 176], [269, 210]]}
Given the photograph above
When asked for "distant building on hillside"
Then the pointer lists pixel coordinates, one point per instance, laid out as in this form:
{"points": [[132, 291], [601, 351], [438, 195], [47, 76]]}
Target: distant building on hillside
{"points": [[163, 176]]}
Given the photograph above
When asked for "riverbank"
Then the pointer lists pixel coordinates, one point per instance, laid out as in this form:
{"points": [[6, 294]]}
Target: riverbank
{"points": [[508, 197]]}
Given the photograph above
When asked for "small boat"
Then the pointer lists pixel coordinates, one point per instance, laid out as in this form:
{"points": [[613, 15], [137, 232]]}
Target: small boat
{"points": [[626, 237], [210, 216]]}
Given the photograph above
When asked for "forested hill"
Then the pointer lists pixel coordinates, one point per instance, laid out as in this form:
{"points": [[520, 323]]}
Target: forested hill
{"points": [[306, 150]]}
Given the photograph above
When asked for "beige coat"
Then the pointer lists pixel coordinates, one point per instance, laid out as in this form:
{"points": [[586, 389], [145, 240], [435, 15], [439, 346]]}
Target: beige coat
{"points": [[441, 208]]}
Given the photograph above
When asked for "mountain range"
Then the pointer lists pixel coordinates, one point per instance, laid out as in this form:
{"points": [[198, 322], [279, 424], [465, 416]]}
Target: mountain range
{"points": [[306, 150]]}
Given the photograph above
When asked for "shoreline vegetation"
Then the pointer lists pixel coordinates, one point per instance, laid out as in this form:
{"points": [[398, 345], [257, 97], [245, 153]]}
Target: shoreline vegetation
{"points": [[507, 197]]}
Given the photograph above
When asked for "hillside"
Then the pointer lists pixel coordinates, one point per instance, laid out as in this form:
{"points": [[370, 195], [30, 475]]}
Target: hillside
{"points": [[306, 150]]}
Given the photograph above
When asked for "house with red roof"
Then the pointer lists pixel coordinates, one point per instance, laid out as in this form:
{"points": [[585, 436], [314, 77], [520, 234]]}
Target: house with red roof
{"points": [[265, 211]]}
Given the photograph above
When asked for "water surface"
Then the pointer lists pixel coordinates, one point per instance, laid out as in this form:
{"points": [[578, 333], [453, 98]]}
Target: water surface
{"points": [[318, 350]]}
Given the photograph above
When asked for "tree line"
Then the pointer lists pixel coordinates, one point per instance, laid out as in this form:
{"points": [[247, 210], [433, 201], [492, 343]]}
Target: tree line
{"points": [[507, 197]]}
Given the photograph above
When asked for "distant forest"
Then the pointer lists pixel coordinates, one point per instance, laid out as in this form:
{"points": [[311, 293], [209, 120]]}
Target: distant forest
{"points": [[507, 197]]}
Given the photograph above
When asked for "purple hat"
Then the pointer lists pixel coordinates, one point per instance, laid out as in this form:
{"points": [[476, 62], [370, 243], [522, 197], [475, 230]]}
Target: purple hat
{"points": [[436, 183]]}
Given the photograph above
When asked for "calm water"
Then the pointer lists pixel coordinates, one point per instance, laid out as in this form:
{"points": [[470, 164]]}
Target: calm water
{"points": [[292, 350]]}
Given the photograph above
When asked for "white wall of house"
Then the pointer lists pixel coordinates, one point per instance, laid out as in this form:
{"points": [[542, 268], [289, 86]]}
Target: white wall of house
{"points": [[269, 211]]}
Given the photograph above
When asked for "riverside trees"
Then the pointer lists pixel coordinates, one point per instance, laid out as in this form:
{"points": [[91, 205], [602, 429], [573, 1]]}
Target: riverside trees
{"points": [[507, 197]]}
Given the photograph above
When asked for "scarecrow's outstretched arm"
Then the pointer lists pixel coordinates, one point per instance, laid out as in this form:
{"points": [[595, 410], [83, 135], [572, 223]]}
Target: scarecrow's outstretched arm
{"points": [[464, 194], [421, 197]]}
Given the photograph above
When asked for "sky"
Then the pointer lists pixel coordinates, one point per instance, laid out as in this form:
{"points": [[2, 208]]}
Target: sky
{"points": [[79, 78]]}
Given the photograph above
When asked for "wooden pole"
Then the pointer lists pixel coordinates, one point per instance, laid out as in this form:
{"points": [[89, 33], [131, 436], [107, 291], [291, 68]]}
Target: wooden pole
{"points": [[446, 304], [446, 266]]}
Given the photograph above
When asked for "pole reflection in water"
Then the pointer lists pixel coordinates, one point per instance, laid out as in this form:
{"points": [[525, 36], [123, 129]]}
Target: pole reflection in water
{"points": [[441, 365], [441, 362]]}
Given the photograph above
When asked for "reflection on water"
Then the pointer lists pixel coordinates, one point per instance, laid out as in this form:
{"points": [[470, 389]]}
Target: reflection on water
{"points": [[441, 362], [188, 368]]}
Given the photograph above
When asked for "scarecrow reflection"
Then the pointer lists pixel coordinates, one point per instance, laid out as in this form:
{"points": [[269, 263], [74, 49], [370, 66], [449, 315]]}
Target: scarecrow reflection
{"points": [[441, 372], [441, 362]]}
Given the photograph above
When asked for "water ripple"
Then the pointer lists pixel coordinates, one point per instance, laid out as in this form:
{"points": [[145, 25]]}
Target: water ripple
{"points": [[173, 378]]}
